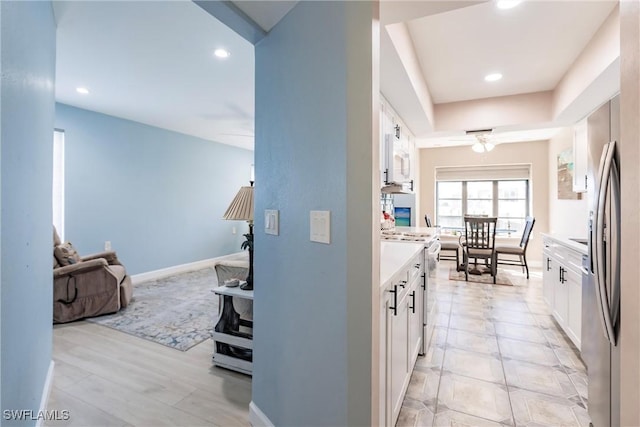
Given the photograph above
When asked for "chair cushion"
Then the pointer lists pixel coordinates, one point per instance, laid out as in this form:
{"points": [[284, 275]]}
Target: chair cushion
{"points": [[509, 249], [481, 253], [66, 254], [449, 246]]}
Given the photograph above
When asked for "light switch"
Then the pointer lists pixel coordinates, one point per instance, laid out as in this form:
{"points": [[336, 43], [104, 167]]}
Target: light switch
{"points": [[320, 226], [271, 222]]}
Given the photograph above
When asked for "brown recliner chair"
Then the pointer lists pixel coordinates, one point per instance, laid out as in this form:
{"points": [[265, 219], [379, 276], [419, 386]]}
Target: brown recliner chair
{"points": [[87, 286]]}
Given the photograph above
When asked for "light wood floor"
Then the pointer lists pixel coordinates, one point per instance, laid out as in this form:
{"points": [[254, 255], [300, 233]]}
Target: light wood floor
{"points": [[108, 378]]}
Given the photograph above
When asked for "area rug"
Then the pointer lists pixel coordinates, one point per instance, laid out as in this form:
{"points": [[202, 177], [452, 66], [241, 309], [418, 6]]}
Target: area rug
{"points": [[501, 279], [177, 311]]}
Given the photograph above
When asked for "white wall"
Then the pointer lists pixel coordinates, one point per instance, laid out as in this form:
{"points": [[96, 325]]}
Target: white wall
{"points": [[566, 217]]}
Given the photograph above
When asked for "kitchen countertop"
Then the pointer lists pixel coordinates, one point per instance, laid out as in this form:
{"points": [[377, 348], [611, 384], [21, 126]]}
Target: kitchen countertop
{"points": [[394, 256], [564, 241], [430, 231]]}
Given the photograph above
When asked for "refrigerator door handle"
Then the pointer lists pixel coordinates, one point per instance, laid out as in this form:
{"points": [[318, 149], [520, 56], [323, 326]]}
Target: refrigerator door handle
{"points": [[614, 227], [599, 229]]}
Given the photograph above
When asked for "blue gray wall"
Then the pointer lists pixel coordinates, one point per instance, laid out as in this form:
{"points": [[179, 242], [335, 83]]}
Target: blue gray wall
{"points": [[27, 115], [157, 195], [314, 145]]}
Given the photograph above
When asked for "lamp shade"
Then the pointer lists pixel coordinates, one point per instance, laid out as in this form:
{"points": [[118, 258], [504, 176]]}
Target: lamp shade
{"points": [[241, 208]]}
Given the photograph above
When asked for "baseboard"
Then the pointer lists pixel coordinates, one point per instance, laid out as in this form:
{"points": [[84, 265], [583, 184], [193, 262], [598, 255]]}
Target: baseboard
{"points": [[257, 418], [183, 268], [46, 392]]}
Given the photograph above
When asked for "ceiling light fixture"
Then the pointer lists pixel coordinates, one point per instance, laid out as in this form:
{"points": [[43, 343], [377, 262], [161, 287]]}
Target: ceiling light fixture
{"points": [[482, 144], [493, 77], [221, 53], [82, 90], [507, 4]]}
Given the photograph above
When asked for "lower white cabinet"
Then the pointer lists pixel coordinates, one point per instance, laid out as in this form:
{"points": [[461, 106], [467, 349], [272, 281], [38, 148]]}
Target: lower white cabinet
{"points": [[401, 320], [562, 285]]}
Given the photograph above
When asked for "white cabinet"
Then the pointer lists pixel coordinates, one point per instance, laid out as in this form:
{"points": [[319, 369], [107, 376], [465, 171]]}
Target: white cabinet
{"points": [[400, 335], [573, 283], [399, 363], [580, 156], [562, 285], [397, 150], [549, 268]]}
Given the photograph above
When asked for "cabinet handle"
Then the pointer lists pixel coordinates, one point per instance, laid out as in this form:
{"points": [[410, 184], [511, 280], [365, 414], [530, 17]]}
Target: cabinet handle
{"points": [[394, 291], [386, 176], [548, 263], [411, 185], [424, 281], [413, 302], [402, 283], [562, 279], [585, 181], [417, 266]]}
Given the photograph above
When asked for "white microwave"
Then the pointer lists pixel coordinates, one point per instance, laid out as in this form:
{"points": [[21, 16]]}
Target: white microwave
{"points": [[397, 161]]}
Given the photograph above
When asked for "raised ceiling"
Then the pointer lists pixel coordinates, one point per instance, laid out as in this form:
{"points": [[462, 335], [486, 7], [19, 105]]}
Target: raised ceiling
{"points": [[532, 45], [152, 61]]}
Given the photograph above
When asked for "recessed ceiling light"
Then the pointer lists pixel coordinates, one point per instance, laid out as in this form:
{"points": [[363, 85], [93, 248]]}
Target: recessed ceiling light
{"points": [[507, 4], [221, 53], [82, 90], [493, 77]]}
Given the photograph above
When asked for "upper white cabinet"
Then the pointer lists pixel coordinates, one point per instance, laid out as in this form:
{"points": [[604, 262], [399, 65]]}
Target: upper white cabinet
{"points": [[397, 149], [580, 156]]}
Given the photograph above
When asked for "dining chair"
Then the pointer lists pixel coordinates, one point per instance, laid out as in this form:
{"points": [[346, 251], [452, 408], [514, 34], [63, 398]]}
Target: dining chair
{"points": [[519, 250], [478, 242]]}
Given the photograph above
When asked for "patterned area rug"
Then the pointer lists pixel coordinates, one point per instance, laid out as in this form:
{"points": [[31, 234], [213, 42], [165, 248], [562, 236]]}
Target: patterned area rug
{"points": [[501, 279], [177, 311]]}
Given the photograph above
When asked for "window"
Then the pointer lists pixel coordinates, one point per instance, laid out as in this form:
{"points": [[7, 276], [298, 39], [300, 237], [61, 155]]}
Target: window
{"points": [[58, 181], [506, 199]]}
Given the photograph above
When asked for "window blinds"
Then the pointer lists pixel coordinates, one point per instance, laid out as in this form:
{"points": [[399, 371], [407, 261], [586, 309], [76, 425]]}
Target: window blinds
{"points": [[483, 173]]}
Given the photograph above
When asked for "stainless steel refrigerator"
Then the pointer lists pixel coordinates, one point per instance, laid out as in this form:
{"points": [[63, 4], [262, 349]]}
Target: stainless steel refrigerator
{"points": [[600, 348]]}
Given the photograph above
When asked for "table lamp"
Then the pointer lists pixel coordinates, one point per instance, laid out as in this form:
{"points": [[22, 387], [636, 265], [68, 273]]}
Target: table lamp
{"points": [[241, 209]]}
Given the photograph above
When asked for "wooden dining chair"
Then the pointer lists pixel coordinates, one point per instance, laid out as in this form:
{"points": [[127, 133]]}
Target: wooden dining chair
{"points": [[479, 243]]}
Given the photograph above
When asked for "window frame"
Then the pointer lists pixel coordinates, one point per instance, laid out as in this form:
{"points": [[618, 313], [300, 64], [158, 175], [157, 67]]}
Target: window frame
{"points": [[495, 201]]}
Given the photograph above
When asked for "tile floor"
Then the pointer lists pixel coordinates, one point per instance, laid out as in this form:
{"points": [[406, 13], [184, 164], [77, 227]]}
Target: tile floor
{"points": [[497, 357]]}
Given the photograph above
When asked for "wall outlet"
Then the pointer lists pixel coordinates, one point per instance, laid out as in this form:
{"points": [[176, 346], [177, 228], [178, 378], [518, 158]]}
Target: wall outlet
{"points": [[107, 245], [233, 230]]}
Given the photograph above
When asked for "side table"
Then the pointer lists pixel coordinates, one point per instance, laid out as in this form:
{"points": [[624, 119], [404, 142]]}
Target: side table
{"points": [[233, 335]]}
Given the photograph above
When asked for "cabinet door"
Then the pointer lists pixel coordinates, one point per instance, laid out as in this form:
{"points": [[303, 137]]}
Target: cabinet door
{"points": [[548, 279], [574, 316], [399, 356], [415, 321], [561, 296], [385, 359]]}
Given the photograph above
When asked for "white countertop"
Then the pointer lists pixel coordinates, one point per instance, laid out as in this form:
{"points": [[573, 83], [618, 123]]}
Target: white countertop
{"points": [[430, 231], [564, 241], [394, 256]]}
